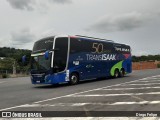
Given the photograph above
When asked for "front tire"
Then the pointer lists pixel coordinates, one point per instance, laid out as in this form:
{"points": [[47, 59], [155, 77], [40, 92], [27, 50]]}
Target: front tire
{"points": [[73, 79]]}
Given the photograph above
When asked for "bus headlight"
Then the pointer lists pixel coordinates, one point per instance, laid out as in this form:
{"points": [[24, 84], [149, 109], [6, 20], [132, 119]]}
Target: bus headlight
{"points": [[67, 73]]}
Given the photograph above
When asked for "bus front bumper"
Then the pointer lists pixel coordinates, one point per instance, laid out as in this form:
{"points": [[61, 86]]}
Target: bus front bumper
{"points": [[49, 79]]}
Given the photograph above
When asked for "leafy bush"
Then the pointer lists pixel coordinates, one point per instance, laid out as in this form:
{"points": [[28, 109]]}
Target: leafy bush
{"points": [[4, 76], [158, 65]]}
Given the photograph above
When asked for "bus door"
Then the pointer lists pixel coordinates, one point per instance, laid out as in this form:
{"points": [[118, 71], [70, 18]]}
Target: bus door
{"points": [[60, 55]]}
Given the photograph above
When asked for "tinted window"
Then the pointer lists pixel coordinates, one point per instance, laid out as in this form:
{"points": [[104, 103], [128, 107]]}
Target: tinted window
{"points": [[78, 45], [43, 45], [108, 48], [60, 54], [93, 46]]}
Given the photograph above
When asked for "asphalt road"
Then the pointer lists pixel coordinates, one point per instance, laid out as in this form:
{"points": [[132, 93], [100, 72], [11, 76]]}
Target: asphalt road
{"points": [[139, 91]]}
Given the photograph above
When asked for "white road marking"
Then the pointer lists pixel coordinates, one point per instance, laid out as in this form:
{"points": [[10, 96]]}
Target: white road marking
{"points": [[107, 95], [3, 82], [149, 81], [85, 91], [12, 107], [54, 98], [155, 78], [133, 88], [141, 102], [84, 104], [151, 77], [140, 84]]}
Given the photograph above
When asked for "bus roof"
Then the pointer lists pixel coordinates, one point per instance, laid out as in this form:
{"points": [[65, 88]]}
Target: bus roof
{"points": [[94, 38], [87, 37]]}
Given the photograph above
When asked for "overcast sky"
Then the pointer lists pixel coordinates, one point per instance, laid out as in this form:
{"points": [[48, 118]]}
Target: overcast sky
{"points": [[133, 22]]}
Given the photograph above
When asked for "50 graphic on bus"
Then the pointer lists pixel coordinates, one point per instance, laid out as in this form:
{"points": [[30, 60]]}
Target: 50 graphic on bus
{"points": [[98, 47]]}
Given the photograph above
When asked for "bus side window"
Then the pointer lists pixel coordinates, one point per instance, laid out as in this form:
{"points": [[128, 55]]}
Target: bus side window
{"points": [[75, 46]]}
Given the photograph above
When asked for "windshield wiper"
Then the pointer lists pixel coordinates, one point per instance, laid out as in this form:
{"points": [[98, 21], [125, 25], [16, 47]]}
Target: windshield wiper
{"points": [[43, 50], [56, 49]]}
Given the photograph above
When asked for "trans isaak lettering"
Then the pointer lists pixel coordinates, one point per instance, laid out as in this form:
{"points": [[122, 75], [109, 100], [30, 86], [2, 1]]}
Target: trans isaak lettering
{"points": [[103, 57]]}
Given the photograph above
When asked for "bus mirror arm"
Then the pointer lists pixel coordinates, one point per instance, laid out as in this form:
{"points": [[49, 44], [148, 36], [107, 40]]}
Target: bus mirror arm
{"points": [[24, 60], [46, 54]]}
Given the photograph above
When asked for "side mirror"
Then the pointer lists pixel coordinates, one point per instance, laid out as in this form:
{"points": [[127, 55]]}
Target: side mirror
{"points": [[24, 59], [46, 55]]}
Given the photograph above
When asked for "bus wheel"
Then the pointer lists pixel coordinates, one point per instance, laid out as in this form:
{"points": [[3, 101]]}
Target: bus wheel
{"points": [[116, 73], [122, 73], [74, 79]]}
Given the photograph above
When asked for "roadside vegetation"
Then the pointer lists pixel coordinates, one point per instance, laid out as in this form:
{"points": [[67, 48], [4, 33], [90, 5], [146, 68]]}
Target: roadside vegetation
{"points": [[149, 58], [11, 62], [146, 58]]}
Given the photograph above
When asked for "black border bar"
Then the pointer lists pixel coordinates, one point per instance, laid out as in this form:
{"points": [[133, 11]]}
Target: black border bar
{"points": [[39, 114]]}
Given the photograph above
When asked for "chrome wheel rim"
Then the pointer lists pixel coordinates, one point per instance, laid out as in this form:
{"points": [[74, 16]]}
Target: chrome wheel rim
{"points": [[74, 79], [116, 74]]}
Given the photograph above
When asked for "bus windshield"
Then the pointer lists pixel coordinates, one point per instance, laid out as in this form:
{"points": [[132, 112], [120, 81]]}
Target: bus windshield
{"points": [[59, 52], [40, 63]]}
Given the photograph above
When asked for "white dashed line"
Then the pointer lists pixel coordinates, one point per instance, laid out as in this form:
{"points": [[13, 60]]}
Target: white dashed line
{"points": [[149, 81], [3, 82], [140, 84], [154, 78], [84, 104], [106, 95], [141, 88]]}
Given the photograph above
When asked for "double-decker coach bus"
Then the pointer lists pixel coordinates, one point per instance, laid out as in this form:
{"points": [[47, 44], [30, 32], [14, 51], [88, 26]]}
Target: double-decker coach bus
{"points": [[70, 59]]}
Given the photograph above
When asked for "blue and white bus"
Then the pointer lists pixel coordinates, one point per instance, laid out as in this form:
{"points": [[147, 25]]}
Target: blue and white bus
{"points": [[70, 59]]}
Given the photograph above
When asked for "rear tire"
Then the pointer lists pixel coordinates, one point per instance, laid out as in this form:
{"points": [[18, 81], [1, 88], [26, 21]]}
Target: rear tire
{"points": [[116, 73], [74, 79], [122, 73]]}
